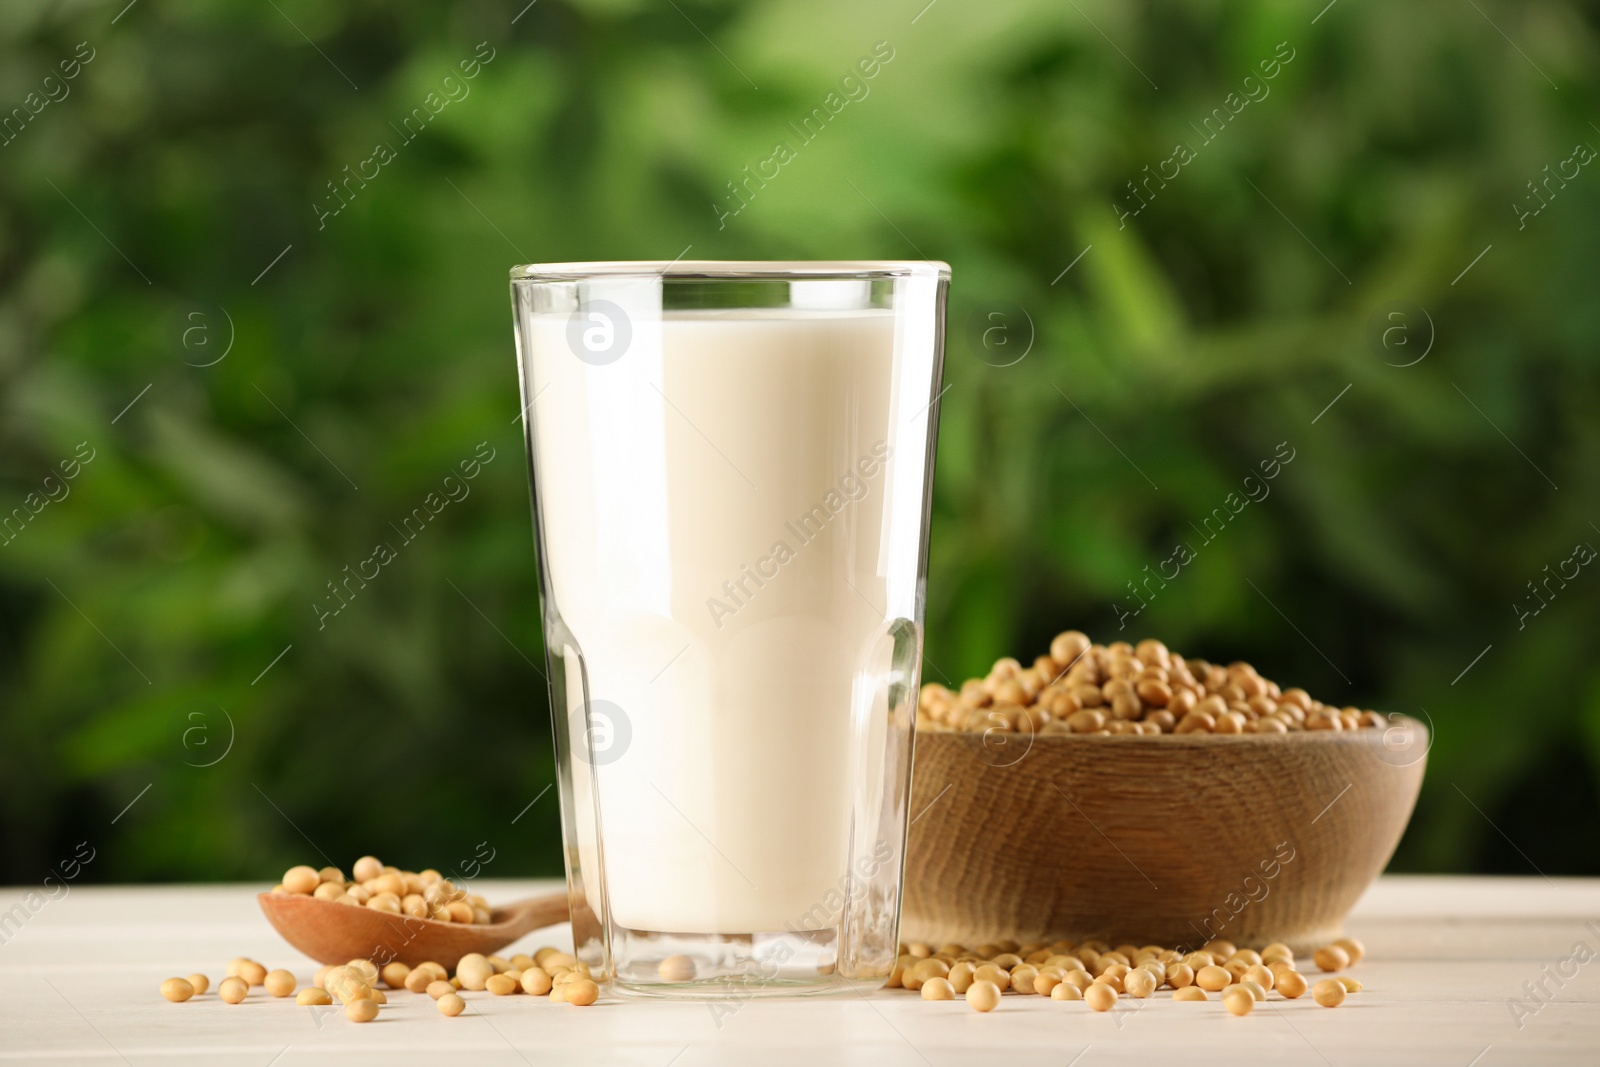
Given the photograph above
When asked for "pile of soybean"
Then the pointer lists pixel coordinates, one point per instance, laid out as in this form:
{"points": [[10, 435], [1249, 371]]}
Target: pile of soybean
{"points": [[1099, 974], [1080, 687], [419, 894], [548, 973]]}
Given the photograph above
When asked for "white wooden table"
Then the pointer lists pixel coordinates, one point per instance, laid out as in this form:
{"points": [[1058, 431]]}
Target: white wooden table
{"points": [[78, 984]]}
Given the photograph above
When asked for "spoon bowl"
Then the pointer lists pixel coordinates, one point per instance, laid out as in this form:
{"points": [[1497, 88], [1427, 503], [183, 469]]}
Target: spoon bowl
{"points": [[330, 932]]}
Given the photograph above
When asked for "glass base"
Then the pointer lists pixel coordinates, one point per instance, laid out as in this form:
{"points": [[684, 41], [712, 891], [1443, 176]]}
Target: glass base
{"points": [[719, 989], [732, 966]]}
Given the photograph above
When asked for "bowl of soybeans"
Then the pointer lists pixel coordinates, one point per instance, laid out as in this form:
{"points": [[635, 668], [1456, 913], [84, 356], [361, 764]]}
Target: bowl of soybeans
{"points": [[1122, 793]]}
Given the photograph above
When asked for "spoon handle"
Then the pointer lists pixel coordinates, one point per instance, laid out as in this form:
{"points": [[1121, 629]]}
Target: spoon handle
{"points": [[519, 918]]}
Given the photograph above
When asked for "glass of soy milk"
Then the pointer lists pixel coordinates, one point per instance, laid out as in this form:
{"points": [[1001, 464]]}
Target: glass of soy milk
{"points": [[731, 468]]}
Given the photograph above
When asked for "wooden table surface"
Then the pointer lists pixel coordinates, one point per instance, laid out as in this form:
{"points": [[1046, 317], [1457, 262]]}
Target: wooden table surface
{"points": [[1446, 957]]}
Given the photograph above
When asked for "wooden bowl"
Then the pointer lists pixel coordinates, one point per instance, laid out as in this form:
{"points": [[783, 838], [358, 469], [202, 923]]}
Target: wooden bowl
{"points": [[1170, 840]]}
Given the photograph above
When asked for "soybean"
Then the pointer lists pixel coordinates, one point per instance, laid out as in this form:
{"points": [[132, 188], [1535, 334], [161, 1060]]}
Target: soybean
{"points": [[1328, 993], [1239, 1001], [1262, 976], [301, 879], [1353, 948], [1291, 984], [678, 968], [1277, 952], [177, 990], [1140, 983], [474, 970], [361, 1010], [1331, 958], [1100, 997], [983, 995], [249, 970], [991, 973]]}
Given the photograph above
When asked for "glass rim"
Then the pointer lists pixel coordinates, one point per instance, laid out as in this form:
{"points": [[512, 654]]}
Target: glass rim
{"points": [[736, 269]]}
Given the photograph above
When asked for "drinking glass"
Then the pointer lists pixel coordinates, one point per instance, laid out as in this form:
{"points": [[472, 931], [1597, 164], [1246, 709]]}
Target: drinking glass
{"points": [[731, 468]]}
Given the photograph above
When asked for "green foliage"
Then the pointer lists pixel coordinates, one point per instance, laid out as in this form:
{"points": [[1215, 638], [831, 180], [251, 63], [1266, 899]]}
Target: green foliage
{"points": [[375, 355]]}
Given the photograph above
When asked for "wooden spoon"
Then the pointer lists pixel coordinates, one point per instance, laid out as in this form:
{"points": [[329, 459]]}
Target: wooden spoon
{"points": [[330, 932]]}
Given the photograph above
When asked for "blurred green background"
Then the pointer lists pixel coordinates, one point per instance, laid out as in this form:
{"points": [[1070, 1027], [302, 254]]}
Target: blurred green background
{"points": [[298, 382]]}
